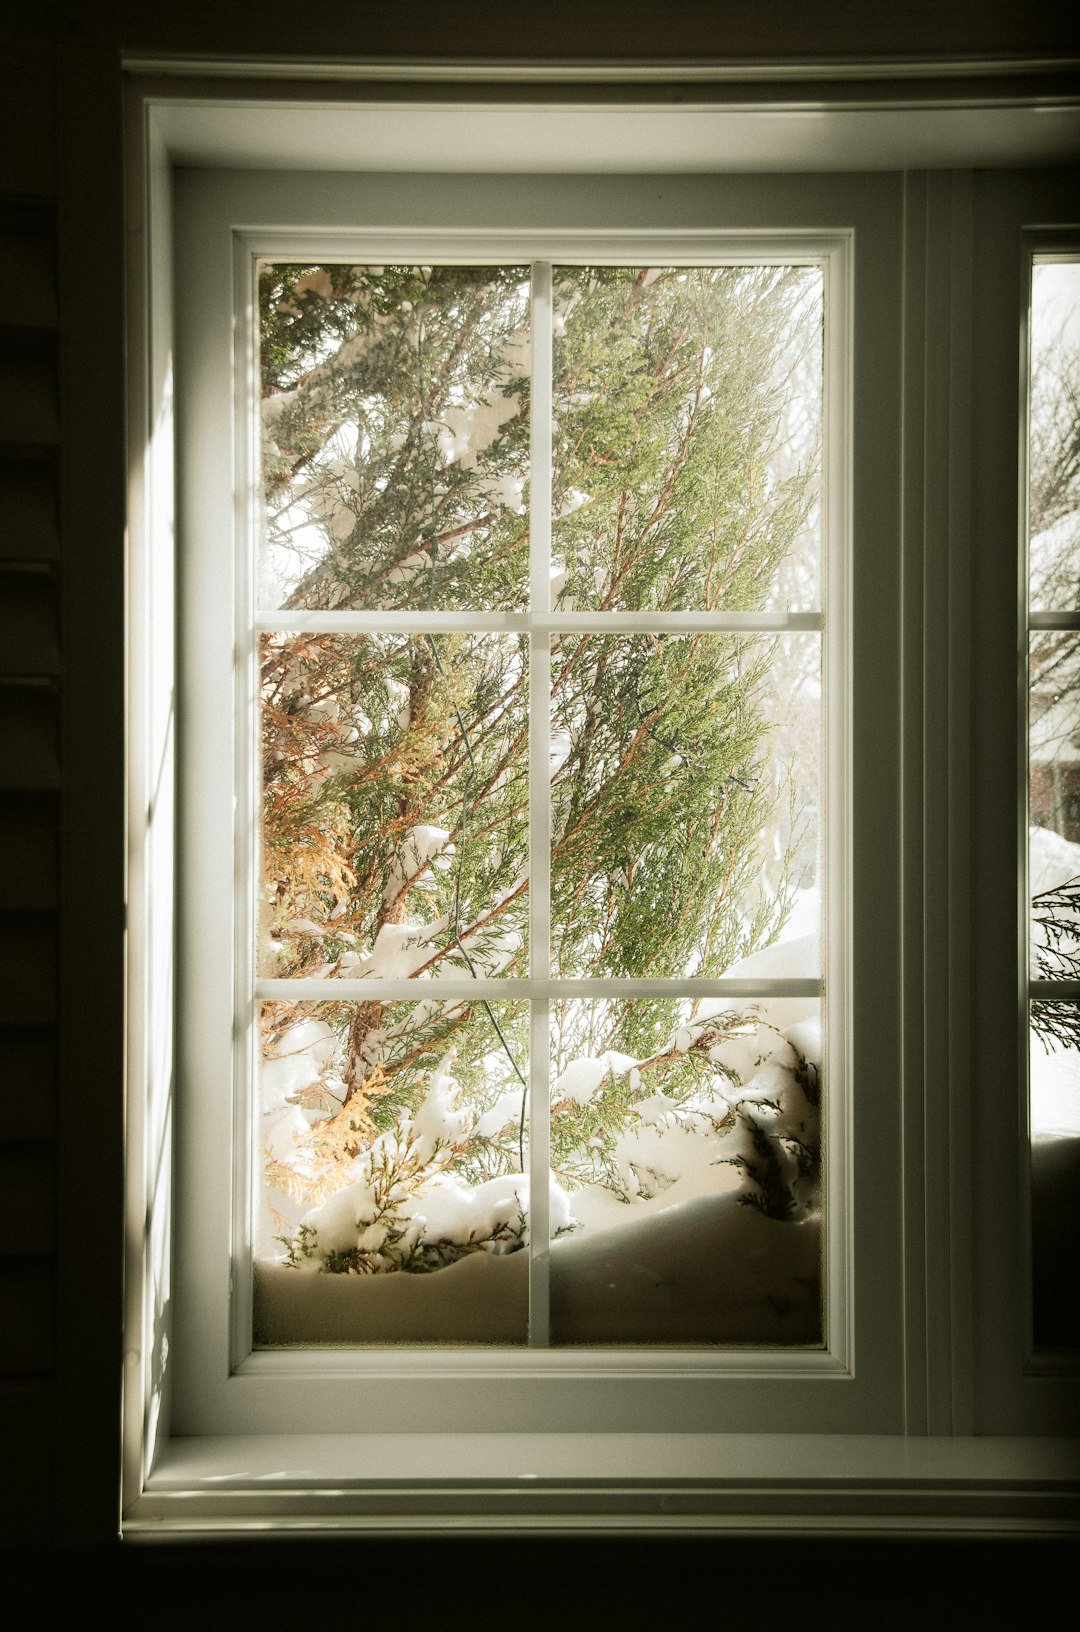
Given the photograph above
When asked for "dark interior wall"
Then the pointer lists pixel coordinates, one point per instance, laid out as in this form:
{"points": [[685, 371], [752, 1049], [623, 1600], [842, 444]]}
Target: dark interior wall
{"points": [[62, 444], [562, 30]]}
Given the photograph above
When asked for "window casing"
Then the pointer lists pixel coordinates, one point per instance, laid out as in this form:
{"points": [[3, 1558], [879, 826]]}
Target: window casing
{"points": [[868, 1382]]}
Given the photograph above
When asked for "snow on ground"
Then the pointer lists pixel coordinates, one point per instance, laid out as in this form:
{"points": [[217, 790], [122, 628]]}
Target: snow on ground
{"points": [[686, 1261], [705, 1270], [1053, 861], [1055, 1092]]}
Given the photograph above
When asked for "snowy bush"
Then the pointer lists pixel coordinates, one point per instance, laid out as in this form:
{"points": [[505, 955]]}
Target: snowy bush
{"points": [[414, 1175]]}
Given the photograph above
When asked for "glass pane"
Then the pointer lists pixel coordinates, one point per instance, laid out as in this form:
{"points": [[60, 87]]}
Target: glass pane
{"points": [[395, 417], [395, 824], [687, 437], [1054, 439], [686, 801], [1055, 1173], [686, 1140], [1054, 805], [392, 1202]]}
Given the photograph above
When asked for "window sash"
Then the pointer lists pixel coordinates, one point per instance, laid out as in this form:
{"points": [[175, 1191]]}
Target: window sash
{"points": [[215, 254]]}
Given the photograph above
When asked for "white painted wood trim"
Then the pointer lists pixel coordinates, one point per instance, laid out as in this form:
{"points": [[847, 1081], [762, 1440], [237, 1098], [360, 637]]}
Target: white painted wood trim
{"points": [[1006, 1483], [813, 1484]]}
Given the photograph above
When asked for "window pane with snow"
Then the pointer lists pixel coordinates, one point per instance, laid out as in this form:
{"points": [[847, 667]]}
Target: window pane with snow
{"points": [[687, 437], [395, 423], [686, 1153], [1054, 805], [393, 1202], [394, 819], [686, 804], [1054, 436], [1055, 1173]]}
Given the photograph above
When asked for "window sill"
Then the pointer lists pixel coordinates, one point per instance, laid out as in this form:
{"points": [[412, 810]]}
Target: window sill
{"points": [[865, 1483]]}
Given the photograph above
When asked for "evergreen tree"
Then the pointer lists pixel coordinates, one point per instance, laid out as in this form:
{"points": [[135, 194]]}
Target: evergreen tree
{"points": [[395, 820]]}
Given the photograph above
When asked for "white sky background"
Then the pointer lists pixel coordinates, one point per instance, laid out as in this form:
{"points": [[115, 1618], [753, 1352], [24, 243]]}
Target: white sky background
{"points": [[1055, 302]]}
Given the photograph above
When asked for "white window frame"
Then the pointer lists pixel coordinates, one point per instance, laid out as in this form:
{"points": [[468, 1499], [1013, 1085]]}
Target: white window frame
{"points": [[216, 276], [226, 1443]]}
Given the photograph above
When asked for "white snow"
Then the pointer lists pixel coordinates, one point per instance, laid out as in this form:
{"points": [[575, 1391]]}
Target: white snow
{"points": [[560, 748], [1055, 1092], [439, 1122], [408, 569], [372, 1239], [618, 1064], [1054, 553], [505, 1113], [706, 1270], [507, 490], [656, 1108], [340, 1221], [468, 430], [283, 1131], [421, 845], [459, 1213], [1053, 860], [681, 1226], [399, 951], [651, 1159], [573, 499], [341, 522], [443, 1209], [302, 1055], [796, 959], [806, 1037], [516, 353], [306, 926], [579, 1081]]}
